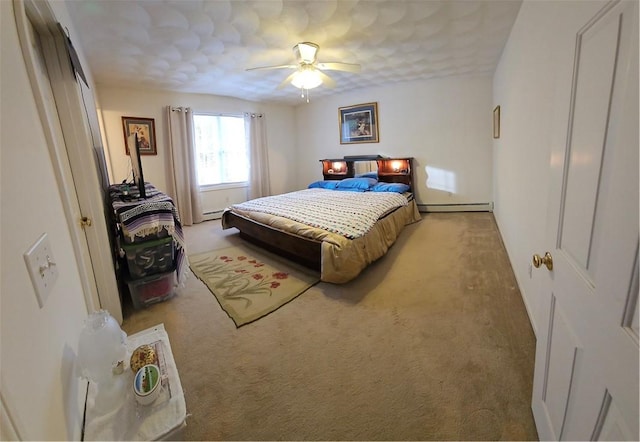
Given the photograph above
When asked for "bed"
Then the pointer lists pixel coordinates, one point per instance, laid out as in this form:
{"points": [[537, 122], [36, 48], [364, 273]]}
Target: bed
{"points": [[337, 226]]}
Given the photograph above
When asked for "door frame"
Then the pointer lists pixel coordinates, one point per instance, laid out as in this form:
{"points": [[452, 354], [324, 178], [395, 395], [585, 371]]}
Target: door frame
{"points": [[68, 135], [11, 425]]}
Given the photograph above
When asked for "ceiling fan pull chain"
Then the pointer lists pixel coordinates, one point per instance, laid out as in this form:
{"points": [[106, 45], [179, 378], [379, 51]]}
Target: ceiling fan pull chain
{"points": [[304, 92]]}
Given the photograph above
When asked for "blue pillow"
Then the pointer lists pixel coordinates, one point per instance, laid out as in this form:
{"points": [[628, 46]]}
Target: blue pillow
{"points": [[350, 189], [373, 175], [327, 184], [361, 184], [390, 187]]}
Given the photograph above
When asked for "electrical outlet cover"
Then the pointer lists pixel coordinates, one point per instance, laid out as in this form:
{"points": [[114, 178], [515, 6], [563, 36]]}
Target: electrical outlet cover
{"points": [[42, 268]]}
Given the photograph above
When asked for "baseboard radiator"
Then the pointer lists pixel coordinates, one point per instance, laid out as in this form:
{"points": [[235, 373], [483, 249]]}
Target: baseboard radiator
{"points": [[464, 207], [422, 208], [214, 214]]}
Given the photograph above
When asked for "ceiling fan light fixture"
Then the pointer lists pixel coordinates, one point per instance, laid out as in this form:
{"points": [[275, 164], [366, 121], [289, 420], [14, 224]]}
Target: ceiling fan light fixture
{"points": [[308, 72], [306, 79]]}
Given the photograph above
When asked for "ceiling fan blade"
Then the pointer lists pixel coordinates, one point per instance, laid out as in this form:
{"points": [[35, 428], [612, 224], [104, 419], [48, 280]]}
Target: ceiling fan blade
{"points": [[286, 81], [282, 66], [338, 66], [326, 80]]}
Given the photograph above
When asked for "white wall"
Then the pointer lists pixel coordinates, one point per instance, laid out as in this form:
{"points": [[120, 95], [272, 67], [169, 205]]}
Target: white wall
{"points": [[452, 117], [118, 102], [444, 124], [534, 70], [39, 379]]}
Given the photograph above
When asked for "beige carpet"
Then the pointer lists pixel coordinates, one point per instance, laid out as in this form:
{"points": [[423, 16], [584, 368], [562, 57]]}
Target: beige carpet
{"points": [[248, 283], [431, 342]]}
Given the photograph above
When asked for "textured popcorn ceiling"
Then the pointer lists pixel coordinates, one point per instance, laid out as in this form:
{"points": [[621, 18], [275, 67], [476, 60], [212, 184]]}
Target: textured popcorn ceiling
{"points": [[204, 46]]}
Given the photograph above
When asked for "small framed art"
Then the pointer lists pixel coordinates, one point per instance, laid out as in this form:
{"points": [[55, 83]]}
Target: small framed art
{"points": [[358, 123], [496, 122], [146, 130]]}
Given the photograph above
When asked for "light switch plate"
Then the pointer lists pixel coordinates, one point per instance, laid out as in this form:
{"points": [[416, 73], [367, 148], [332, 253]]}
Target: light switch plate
{"points": [[42, 267]]}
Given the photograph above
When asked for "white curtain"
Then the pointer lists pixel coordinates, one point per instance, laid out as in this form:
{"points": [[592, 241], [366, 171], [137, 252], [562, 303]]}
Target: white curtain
{"points": [[255, 128], [182, 185]]}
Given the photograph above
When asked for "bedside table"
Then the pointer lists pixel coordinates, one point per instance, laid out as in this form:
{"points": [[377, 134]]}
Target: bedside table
{"points": [[163, 419]]}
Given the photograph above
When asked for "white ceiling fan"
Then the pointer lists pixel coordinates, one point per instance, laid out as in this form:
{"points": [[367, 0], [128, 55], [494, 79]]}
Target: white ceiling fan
{"points": [[308, 71]]}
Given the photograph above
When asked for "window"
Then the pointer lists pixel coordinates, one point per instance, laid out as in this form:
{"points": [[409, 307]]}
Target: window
{"points": [[221, 150]]}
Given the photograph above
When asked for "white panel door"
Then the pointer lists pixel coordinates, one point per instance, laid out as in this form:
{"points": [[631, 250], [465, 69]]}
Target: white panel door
{"points": [[586, 372]]}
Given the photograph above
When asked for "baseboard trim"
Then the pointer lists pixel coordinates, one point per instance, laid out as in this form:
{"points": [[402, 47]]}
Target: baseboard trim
{"points": [[464, 207]]}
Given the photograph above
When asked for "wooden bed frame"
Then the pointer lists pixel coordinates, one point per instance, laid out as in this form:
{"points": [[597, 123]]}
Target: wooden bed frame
{"points": [[307, 251]]}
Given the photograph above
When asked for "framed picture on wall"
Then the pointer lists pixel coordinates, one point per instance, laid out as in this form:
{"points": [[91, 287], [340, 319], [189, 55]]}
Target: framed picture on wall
{"points": [[496, 122], [146, 130], [358, 123]]}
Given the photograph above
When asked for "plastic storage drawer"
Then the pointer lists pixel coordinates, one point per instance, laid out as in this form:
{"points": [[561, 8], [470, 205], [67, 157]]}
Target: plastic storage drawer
{"points": [[152, 289], [149, 258]]}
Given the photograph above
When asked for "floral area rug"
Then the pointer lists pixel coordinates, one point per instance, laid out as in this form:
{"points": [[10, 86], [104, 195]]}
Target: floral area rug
{"points": [[249, 283]]}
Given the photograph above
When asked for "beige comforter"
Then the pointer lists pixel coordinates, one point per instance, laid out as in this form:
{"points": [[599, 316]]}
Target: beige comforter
{"points": [[343, 259]]}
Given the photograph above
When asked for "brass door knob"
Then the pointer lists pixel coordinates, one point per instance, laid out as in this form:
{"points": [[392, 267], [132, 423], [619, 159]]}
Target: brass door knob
{"points": [[547, 260]]}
